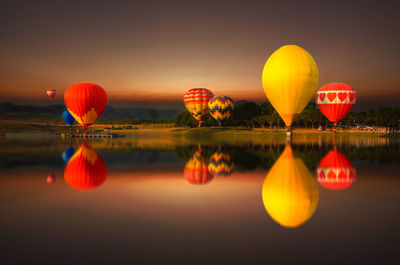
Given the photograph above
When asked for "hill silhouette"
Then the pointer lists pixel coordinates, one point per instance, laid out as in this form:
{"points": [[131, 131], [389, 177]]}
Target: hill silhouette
{"points": [[12, 111]]}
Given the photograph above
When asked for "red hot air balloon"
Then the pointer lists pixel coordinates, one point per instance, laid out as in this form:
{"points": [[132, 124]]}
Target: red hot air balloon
{"points": [[196, 170], [335, 171], [85, 170], [85, 102], [51, 179], [335, 100], [51, 93]]}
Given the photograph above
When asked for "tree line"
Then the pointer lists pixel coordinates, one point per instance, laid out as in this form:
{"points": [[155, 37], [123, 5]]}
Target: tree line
{"points": [[252, 115]]}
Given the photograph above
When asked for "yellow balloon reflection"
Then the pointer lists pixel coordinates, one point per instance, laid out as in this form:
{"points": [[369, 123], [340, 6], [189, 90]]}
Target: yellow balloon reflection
{"points": [[290, 193]]}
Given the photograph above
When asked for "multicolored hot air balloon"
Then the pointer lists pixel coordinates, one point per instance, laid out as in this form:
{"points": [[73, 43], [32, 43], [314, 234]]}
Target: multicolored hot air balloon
{"points": [[196, 171], [196, 100], [51, 179], [290, 193], [67, 154], [85, 170], [335, 100], [221, 108], [290, 79], [335, 171], [67, 117], [221, 164], [85, 102], [51, 93]]}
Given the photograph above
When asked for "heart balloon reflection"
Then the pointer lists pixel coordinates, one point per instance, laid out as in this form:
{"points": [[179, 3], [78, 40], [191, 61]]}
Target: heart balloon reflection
{"points": [[335, 171]]}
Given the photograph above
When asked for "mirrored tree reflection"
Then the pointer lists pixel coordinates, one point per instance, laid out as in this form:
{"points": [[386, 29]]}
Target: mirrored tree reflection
{"points": [[335, 171], [196, 169], [290, 193], [85, 169], [221, 164]]}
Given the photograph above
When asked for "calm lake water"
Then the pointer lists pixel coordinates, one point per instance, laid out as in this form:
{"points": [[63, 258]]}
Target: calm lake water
{"points": [[199, 199]]}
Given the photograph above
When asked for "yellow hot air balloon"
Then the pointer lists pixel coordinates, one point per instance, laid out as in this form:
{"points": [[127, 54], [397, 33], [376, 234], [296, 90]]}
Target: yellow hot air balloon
{"points": [[290, 193], [290, 79]]}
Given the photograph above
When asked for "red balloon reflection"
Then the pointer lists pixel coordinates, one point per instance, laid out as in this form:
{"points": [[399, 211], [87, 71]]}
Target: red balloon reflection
{"points": [[85, 170], [51, 179], [335, 171], [196, 170]]}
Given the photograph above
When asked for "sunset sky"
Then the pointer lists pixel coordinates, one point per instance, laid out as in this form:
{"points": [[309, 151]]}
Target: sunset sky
{"points": [[149, 53]]}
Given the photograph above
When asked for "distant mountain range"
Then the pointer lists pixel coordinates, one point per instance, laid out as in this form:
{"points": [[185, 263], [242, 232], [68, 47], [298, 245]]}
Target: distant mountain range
{"points": [[110, 113]]}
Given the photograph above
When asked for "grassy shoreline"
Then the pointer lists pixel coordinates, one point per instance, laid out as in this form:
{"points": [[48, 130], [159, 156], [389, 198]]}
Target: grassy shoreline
{"points": [[12, 126]]}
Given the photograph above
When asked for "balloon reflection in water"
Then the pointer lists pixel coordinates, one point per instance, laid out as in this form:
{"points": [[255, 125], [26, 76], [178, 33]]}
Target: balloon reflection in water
{"points": [[220, 164], [196, 170], [68, 153], [290, 193], [85, 170], [335, 171], [51, 179]]}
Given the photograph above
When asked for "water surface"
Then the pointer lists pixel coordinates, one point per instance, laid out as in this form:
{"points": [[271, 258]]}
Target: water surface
{"points": [[168, 199]]}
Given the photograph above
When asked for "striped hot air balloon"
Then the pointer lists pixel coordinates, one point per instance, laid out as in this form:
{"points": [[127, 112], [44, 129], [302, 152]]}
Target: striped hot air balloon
{"points": [[335, 100], [221, 164], [85, 170], [221, 108], [335, 171], [290, 193], [290, 79], [196, 171], [85, 102], [196, 100], [51, 93]]}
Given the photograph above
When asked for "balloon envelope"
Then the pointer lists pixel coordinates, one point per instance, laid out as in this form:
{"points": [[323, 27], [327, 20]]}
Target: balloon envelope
{"points": [[220, 164], [85, 102], [85, 170], [335, 171], [67, 117], [196, 100], [335, 100], [51, 93], [221, 108], [290, 193], [67, 154], [290, 78], [196, 171]]}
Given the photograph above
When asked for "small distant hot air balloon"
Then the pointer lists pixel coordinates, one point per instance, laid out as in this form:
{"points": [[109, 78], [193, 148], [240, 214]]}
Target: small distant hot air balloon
{"points": [[290, 193], [51, 93], [196, 100], [85, 102], [85, 170], [290, 79], [67, 154], [51, 179], [196, 171], [67, 117], [221, 108], [220, 164], [335, 100], [335, 171]]}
